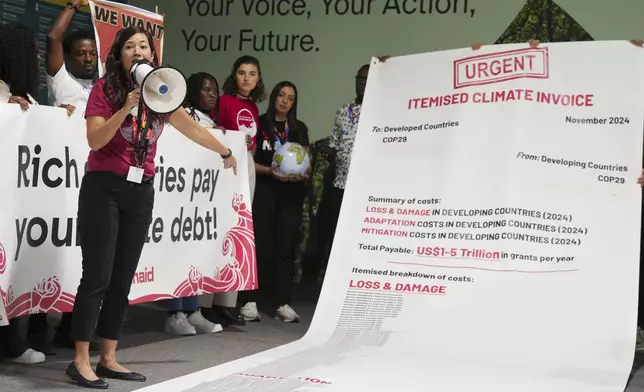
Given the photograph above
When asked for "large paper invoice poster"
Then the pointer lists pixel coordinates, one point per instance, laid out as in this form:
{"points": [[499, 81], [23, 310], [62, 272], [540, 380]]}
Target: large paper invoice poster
{"points": [[489, 233]]}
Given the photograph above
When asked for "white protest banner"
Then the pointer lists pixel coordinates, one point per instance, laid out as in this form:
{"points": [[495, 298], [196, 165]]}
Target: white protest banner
{"points": [[489, 233], [200, 241]]}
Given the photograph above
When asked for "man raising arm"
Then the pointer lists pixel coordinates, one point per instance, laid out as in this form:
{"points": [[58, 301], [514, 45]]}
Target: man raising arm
{"points": [[72, 64]]}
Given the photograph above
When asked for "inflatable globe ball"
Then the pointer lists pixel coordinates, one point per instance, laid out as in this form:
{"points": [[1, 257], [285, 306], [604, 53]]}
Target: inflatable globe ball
{"points": [[291, 159]]}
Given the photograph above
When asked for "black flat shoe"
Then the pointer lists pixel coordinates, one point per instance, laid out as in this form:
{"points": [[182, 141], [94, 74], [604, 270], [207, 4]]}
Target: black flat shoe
{"points": [[78, 378], [102, 371], [213, 317], [229, 315]]}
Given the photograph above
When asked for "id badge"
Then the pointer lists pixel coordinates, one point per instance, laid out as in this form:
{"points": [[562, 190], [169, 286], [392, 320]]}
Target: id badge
{"points": [[135, 174]]}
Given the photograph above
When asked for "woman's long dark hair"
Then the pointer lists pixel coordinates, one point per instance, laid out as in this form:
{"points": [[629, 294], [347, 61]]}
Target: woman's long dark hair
{"points": [[195, 84], [117, 81], [291, 116], [230, 84], [19, 59]]}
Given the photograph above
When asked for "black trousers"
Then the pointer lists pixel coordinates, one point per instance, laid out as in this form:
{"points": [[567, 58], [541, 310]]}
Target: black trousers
{"points": [[277, 217], [38, 324], [12, 345], [113, 219], [327, 220]]}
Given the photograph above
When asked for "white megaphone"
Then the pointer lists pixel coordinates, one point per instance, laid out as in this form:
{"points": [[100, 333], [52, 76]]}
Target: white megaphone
{"points": [[163, 89]]}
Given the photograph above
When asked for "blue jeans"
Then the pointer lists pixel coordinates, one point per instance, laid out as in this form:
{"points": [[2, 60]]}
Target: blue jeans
{"points": [[185, 304]]}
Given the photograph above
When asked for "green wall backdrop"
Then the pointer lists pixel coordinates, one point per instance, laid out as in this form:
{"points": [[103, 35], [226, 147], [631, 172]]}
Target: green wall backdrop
{"points": [[338, 44], [324, 70]]}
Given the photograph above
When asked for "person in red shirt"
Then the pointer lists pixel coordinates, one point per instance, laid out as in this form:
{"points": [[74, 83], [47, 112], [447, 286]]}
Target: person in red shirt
{"points": [[115, 204], [238, 111]]}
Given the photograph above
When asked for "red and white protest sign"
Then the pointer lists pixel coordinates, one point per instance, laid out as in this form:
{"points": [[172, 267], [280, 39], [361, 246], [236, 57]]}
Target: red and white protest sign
{"points": [[109, 17]]}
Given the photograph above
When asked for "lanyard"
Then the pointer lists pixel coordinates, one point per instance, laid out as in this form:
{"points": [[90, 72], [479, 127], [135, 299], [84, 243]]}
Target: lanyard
{"points": [[353, 117], [142, 139], [278, 140]]}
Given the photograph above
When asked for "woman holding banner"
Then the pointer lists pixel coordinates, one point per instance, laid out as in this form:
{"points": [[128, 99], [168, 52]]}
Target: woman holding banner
{"points": [[115, 204], [238, 111], [19, 62], [185, 317]]}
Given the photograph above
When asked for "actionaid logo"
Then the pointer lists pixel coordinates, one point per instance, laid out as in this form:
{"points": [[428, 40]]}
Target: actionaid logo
{"points": [[145, 276], [45, 295], [3, 259], [501, 66]]}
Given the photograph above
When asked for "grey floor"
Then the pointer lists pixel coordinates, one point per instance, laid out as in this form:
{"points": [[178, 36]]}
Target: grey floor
{"points": [[145, 348]]}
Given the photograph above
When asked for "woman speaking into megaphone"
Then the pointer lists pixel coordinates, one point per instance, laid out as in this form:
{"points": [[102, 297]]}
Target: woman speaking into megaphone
{"points": [[115, 203]]}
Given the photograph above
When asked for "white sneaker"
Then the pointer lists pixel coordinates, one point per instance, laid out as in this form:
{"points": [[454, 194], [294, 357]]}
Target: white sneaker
{"points": [[178, 324], [287, 314], [202, 325], [30, 357], [249, 312]]}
